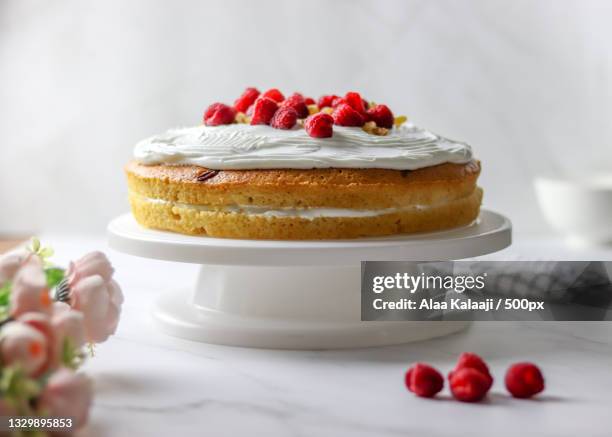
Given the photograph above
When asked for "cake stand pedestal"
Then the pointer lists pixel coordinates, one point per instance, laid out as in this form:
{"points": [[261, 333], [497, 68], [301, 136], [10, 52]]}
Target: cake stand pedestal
{"points": [[294, 294]]}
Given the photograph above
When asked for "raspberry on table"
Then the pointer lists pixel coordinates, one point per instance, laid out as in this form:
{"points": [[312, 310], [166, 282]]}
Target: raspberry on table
{"points": [[424, 380], [468, 384], [319, 125], [327, 100], [284, 118], [247, 98], [382, 116], [344, 115], [297, 102], [263, 110], [309, 101], [524, 380], [274, 94], [218, 114], [473, 361]]}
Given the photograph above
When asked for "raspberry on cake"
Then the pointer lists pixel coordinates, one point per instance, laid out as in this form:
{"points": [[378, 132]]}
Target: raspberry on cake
{"points": [[297, 102], [326, 101], [274, 94], [319, 125], [264, 109], [355, 101], [345, 115], [381, 115], [284, 118], [219, 113], [247, 98], [276, 172]]}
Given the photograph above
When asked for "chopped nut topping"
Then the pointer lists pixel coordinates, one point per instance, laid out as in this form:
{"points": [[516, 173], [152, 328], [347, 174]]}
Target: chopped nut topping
{"points": [[241, 117], [400, 120], [313, 109], [371, 128]]}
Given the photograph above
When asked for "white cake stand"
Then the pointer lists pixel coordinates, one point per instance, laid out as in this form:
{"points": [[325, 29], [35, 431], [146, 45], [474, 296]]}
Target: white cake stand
{"points": [[294, 294]]}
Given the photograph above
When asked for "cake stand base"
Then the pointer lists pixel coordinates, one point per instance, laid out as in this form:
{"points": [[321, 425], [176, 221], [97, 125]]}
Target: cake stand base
{"points": [[294, 294], [176, 316]]}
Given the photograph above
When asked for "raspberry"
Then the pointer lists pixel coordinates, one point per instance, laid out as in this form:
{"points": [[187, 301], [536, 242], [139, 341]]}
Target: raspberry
{"points": [[309, 101], [472, 361], [296, 101], [263, 110], [355, 101], [326, 100], [219, 113], [274, 94], [247, 98], [284, 118], [382, 115], [344, 115], [524, 380], [468, 384], [319, 125], [423, 380]]}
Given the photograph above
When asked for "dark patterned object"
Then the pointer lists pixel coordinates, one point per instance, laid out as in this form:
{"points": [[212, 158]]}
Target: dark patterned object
{"points": [[552, 281]]}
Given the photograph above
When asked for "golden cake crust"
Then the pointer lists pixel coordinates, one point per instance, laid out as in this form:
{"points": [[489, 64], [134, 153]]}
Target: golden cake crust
{"points": [[195, 200], [334, 187]]}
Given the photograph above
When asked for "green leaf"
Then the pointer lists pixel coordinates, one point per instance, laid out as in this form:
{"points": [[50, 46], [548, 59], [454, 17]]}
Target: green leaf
{"points": [[35, 245], [71, 356], [5, 300], [5, 293], [54, 275], [16, 386], [46, 252]]}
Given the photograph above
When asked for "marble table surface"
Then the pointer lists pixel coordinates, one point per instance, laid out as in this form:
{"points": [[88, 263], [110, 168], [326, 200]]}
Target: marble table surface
{"points": [[150, 384]]}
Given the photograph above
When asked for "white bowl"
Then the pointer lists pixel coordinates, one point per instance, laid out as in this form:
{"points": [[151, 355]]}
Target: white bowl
{"points": [[580, 209]]}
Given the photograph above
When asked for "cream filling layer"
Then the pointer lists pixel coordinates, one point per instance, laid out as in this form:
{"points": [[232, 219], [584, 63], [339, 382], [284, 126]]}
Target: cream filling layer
{"points": [[305, 213]]}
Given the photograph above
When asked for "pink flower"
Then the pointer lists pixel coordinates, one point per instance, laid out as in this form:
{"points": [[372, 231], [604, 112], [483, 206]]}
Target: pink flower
{"points": [[42, 323], [100, 302], [67, 394], [68, 326], [96, 295], [24, 346], [94, 263], [29, 291], [10, 263], [59, 308]]}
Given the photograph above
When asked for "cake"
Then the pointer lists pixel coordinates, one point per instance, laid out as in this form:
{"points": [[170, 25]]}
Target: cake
{"points": [[293, 169]]}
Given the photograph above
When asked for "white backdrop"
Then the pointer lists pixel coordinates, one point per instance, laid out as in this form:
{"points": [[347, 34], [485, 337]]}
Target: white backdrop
{"points": [[526, 82]]}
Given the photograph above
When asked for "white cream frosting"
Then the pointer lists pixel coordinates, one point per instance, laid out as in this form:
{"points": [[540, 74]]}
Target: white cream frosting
{"points": [[242, 146], [306, 213]]}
